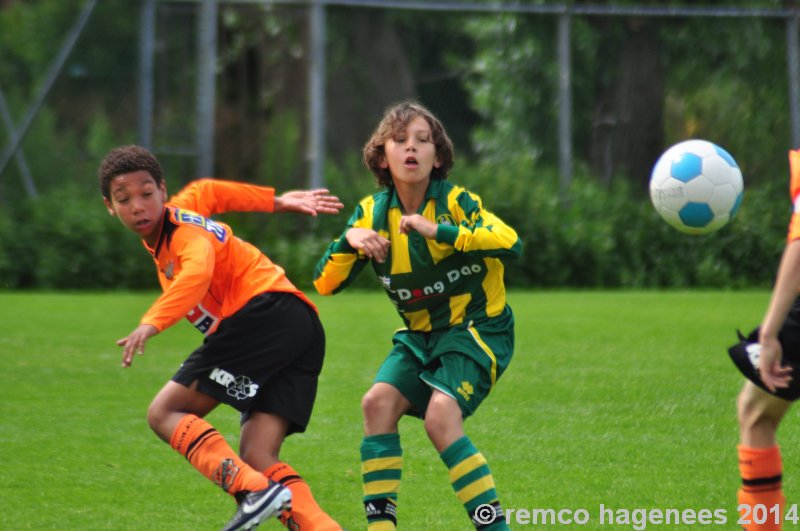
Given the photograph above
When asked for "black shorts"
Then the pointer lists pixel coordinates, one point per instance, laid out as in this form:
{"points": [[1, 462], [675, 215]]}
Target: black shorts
{"points": [[266, 357], [746, 353]]}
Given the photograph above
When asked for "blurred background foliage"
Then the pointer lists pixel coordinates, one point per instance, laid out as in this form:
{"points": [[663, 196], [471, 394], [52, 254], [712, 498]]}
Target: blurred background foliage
{"points": [[639, 84]]}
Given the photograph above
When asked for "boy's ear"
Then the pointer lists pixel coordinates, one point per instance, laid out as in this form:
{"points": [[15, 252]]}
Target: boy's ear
{"points": [[383, 163], [437, 163], [162, 187], [109, 207]]}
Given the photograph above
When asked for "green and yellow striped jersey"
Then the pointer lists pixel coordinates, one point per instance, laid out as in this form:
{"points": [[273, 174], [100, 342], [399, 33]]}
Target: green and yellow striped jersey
{"points": [[434, 284]]}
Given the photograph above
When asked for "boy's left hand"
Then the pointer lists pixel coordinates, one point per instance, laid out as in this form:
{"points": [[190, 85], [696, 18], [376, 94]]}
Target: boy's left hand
{"points": [[311, 202], [134, 343], [421, 224]]}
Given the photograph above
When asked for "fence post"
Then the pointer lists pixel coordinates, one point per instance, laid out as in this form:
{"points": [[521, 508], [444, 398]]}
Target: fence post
{"points": [[206, 80], [147, 31], [316, 96], [564, 102], [793, 64]]}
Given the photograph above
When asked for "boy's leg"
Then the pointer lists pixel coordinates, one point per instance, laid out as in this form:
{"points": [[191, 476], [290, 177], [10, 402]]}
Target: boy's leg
{"points": [[759, 456], [262, 437], [176, 416], [382, 455], [470, 476]]}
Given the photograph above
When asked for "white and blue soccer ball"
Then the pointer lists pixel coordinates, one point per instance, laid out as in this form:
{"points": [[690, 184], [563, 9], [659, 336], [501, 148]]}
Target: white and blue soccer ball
{"points": [[696, 186]]}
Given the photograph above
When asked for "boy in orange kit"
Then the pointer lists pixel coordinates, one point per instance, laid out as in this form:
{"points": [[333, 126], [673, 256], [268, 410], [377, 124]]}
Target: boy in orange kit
{"points": [[264, 344], [768, 358]]}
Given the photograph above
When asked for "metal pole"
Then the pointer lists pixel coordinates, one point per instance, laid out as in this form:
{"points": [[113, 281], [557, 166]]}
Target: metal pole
{"points": [[793, 60], [564, 103], [22, 164], [147, 31], [44, 89], [316, 97], [206, 78]]}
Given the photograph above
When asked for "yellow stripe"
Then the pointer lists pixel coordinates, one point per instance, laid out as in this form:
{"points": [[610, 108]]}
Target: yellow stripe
{"points": [[458, 308], [381, 463], [385, 486], [381, 525], [487, 350], [401, 260], [477, 487], [368, 205], [439, 251], [466, 466], [334, 273], [419, 321], [494, 287]]}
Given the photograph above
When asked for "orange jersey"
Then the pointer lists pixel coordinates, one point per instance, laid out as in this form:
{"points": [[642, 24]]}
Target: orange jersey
{"points": [[207, 273], [794, 190]]}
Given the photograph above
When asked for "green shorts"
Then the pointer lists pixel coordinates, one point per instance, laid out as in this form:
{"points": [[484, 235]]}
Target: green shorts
{"points": [[464, 362]]}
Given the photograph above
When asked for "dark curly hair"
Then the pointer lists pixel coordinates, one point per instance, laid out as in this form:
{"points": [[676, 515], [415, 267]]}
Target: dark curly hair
{"points": [[395, 120], [127, 159]]}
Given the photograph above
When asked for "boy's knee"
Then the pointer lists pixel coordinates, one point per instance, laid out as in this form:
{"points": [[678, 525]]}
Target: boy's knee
{"points": [[382, 402], [759, 411], [374, 404], [156, 417]]}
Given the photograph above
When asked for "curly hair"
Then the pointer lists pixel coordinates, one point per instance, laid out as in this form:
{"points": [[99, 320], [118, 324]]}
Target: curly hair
{"points": [[127, 159], [395, 120]]}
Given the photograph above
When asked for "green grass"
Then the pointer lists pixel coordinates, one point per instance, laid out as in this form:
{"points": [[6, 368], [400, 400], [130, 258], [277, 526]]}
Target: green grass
{"points": [[624, 399]]}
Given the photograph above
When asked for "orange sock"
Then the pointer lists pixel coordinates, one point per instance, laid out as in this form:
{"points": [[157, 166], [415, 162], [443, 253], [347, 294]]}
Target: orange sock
{"points": [[306, 514], [210, 453], [761, 471]]}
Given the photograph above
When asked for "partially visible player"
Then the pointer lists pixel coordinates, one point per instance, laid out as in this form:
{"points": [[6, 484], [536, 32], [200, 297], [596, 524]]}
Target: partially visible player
{"points": [[438, 253], [768, 357], [264, 344]]}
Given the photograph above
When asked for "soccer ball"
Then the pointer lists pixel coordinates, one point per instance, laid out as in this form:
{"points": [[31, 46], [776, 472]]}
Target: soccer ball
{"points": [[696, 186]]}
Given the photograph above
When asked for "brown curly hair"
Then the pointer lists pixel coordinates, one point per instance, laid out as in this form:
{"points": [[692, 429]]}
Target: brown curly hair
{"points": [[127, 159], [395, 120]]}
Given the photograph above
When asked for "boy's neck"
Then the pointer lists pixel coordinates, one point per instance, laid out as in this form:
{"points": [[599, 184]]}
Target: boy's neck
{"points": [[411, 196]]}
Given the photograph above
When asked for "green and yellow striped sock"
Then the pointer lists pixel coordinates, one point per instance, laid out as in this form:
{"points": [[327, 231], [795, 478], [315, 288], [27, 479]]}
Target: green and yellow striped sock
{"points": [[381, 468], [473, 483]]}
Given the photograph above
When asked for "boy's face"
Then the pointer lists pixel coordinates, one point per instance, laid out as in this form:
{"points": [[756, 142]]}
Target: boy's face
{"points": [[411, 154], [138, 202]]}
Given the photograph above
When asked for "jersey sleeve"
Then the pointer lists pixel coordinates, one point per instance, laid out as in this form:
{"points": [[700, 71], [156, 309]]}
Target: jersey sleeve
{"points": [[341, 263], [196, 257], [210, 196], [794, 190], [478, 230]]}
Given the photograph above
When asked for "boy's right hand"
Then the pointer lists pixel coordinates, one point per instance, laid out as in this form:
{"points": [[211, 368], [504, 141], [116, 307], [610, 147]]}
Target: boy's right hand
{"points": [[134, 342], [369, 242], [773, 374]]}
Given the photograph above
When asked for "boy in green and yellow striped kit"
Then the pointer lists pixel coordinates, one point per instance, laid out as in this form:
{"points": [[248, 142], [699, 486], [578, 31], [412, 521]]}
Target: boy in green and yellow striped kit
{"points": [[438, 254]]}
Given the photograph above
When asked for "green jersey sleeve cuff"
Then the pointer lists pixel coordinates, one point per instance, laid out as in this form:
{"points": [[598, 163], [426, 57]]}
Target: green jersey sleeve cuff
{"points": [[446, 234]]}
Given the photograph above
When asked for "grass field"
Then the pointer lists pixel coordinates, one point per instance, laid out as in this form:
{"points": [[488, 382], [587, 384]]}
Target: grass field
{"points": [[624, 399]]}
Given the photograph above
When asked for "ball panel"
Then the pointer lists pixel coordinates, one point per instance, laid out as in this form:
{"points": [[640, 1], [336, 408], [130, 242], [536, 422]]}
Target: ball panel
{"points": [[696, 215], [686, 167], [700, 189], [723, 200], [671, 195]]}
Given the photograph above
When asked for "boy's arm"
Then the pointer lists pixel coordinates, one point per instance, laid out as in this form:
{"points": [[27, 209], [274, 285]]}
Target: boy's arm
{"points": [[785, 292], [209, 196], [196, 256], [478, 230], [341, 262]]}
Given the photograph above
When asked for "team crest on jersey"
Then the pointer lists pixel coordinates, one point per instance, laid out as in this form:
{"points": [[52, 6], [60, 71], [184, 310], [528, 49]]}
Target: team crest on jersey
{"points": [[385, 281], [446, 219], [169, 272]]}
